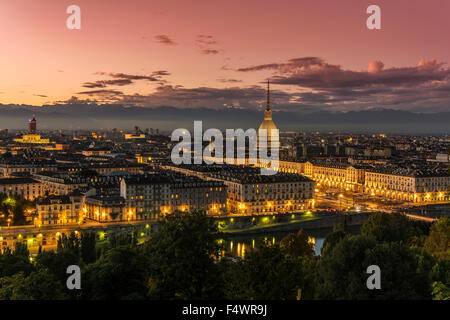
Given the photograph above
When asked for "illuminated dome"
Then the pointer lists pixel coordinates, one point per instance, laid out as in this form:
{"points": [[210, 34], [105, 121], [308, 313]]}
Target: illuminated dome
{"points": [[268, 123]]}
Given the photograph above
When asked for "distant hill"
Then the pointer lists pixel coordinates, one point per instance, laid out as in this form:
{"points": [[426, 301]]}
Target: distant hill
{"points": [[83, 116]]}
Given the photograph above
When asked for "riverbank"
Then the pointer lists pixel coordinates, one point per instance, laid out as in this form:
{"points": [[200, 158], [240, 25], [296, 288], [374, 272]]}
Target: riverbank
{"points": [[307, 223]]}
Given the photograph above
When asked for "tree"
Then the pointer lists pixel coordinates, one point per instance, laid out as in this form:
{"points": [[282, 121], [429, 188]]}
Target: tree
{"points": [[438, 241], [15, 262], [440, 291], [391, 227], [343, 271], [14, 207], [39, 285], [56, 262], [69, 244], [182, 255], [88, 249], [297, 245], [440, 276], [333, 238], [119, 274], [267, 273]]}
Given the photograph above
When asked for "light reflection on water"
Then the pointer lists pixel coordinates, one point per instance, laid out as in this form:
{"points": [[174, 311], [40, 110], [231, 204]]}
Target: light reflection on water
{"points": [[238, 245], [239, 248]]}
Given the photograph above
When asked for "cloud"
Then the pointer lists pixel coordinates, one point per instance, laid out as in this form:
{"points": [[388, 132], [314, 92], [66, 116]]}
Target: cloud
{"points": [[40, 95], [205, 40], [422, 87], [101, 93], [164, 39], [206, 44], [105, 83], [228, 80], [123, 79], [315, 73], [308, 83], [205, 97], [154, 76], [292, 64], [209, 51], [375, 66]]}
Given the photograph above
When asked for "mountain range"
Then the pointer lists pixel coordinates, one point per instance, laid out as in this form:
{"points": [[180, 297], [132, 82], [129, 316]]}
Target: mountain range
{"points": [[166, 119]]}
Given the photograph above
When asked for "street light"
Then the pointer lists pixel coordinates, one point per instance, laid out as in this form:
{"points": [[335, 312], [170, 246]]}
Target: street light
{"points": [[340, 201]]}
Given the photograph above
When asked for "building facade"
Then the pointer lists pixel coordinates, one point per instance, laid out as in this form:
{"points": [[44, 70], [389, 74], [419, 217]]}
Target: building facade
{"points": [[26, 188], [59, 210]]}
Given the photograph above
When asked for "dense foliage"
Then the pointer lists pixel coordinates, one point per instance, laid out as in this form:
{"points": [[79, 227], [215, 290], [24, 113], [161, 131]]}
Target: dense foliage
{"points": [[12, 210], [184, 259]]}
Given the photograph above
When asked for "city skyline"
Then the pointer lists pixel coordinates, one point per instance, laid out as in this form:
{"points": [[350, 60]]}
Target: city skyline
{"points": [[223, 53], [229, 153]]}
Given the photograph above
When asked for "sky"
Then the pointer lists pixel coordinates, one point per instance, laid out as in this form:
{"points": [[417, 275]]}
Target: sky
{"points": [[318, 55]]}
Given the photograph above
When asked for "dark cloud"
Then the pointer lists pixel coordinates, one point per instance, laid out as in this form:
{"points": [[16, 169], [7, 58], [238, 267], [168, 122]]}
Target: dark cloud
{"points": [[229, 80], [306, 84], [40, 95], [155, 76], [205, 40], [420, 87], [123, 79], [206, 44], [290, 65], [160, 73], [164, 39], [105, 83], [207, 97], [75, 100], [209, 51], [315, 73], [101, 92]]}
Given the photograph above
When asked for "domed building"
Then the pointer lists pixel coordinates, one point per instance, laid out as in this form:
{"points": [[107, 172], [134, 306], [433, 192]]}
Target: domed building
{"points": [[267, 123]]}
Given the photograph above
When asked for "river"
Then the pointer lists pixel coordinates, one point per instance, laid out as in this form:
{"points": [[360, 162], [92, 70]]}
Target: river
{"points": [[240, 244]]}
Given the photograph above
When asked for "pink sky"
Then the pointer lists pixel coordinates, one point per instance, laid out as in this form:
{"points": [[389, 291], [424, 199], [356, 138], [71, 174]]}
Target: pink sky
{"points": [[41, 61]]}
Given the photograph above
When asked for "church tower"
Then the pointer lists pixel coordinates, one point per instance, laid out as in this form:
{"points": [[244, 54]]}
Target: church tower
{"points": [[32, 125]]}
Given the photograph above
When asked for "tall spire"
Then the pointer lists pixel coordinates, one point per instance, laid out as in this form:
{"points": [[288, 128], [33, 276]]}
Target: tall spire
{"points": [[268, 96]]}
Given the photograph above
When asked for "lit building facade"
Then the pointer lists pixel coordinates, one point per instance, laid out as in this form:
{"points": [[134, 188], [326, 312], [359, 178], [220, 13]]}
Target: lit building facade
{"points": [[26, 188], [249, 192], [208, 196], [146, 196], [59, 210], [105, 209], [395, 183], [416, 187], [336, 175], [9, 168]]}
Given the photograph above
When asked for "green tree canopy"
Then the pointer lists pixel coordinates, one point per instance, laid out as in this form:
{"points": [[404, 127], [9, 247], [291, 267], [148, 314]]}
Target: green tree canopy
{"points": [[39, 285], [391, 227], [343, 271], [267, 273], [438, 241], [182, 255], [119, 274], [297, 245]]}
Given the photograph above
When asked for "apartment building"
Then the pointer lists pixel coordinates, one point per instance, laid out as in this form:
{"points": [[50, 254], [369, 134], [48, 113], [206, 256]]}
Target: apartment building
{"points": [[249, 192], [146, 196], [20, 165], [59, 210], [27, 188], [418, 186]]}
